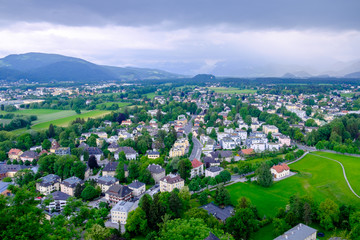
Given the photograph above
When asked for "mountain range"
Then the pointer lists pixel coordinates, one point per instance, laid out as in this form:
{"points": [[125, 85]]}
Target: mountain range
{"points": [[42, 67]]}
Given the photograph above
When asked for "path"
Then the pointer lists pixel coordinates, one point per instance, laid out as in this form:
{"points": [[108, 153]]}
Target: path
{"points": [[343, 172]]}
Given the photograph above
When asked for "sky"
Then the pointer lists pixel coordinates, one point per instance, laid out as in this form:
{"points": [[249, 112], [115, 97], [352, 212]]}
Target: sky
{"points": [[226, 38]]}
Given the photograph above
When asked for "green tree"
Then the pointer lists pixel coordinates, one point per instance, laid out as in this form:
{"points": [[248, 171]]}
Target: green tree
{"points": [[264, 176], [203, 198], [222, 196], [51, 131], [280, 226], [3, 156], [136, 223], [134, 170], [97, 232], [120, 172], [225, 176], [175, 204], [185, 168], [243, 224], [328, 213], [89, 193], [122, 156], [46, 144]]}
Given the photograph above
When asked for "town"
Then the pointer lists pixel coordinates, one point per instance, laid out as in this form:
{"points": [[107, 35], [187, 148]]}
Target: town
{"points": [[126, 158]]}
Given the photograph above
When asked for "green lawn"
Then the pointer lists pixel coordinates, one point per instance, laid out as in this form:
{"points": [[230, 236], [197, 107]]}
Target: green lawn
{"points": [[232, 90], [320, 178], [64, 121], [150, 95], [108, 104]]}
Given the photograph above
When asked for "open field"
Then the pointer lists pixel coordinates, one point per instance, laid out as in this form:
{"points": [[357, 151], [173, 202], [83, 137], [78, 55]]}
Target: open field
{"points": [[44, 115], [320, 178], [232, 90], [108, 104], [349, 95], [66, 120], [150, 95]]}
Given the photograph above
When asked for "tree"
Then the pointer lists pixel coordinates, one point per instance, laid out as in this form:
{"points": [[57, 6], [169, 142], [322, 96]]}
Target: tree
{"points": [[264, 176], [78, 190], [89, 193], [97, 232], [136, 223], [185, 168], [122, 156], [280, 226], [51, 131], [175, 205], [242, 224], [145, 204], [328, 213], [92, 163], [120, 172], [46, 144], [203, 198], [213, 134], [185, 229], [225, 176], [78, 169], [3, 156], [222, 196], [134, 170]]}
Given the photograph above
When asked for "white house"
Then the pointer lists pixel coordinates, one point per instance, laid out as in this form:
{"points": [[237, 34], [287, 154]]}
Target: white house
{"points": [[119, 213], [273, 146], [281, 170], [137, 187], [284, 140], [213, 171], [228, 143], [197, 168]]}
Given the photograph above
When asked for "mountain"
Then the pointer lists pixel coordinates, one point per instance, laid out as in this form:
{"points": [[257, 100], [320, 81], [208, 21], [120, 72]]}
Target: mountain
{"points": [[42, 67], [353, 75]]}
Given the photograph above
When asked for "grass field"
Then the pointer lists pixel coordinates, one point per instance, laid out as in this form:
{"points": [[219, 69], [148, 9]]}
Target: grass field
{"points": [[108, 104], [150, 95], [320, 178], [349, 95], [64, 121], [232, 90]]}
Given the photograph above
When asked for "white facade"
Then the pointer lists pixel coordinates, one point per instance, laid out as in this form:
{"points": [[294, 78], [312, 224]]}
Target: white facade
{"points": [[213, 171], [120, 212]]}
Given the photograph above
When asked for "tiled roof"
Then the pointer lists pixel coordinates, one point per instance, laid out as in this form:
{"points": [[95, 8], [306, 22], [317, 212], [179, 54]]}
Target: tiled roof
{"points": [[119, 190], [14, 151], [172, 179], [247, 151], [196, 163], [281, 167], [155, 168]]}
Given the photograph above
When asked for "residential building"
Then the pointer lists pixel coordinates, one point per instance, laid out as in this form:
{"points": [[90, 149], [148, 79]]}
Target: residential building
{"points": [[273, 146], [228, 143], [284, 140], [281, 170], [59, 201], [130, 153], [270, 128], [137, 187], [210, 161], [62, 151], [105, 182], [68, 185], [14, 154], [29, 156], [170, 182], [120, 212], [4, 188], [157, 172], [118, 193], [54, 145], [246, 152], [113, 147], [152, 154], [48, 184], [213, 171], [299, 232], [197, 168], [110, 168], [220, 213]]}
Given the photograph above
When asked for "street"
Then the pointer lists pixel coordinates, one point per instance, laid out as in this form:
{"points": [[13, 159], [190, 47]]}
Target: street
{"points": [[196, 151]]}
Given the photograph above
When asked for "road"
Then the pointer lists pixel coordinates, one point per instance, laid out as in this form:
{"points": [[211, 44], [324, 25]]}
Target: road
{"points": [[305, 148], [188, 126], [196, 151]]}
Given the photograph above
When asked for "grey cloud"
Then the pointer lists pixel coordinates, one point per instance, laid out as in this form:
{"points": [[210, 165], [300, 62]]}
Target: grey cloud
{"points": [[283, 14]]}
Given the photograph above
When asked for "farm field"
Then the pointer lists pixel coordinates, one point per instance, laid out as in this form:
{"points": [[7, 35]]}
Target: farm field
{"points": [[232, 90], [66, 120], [108, 104], [320, 178], [150, 95]]}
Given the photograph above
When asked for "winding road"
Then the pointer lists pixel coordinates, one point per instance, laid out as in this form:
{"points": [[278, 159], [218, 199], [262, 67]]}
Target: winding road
{"points": [[343, 172]]}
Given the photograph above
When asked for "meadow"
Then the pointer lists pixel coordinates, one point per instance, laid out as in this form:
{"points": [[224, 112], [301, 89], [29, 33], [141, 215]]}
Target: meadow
{"points": [[66, 120], [319, 178], [232, 90]]}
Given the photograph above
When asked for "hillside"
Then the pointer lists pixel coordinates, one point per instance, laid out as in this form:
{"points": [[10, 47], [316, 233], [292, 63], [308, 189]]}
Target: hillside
{"points": [[42, 67]]}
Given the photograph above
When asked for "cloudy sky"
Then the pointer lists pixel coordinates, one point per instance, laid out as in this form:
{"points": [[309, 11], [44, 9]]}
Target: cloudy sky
{"points": [[227, 37]]}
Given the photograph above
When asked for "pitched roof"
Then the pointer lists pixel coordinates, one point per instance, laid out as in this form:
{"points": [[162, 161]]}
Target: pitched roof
{"points": [[14, 151], [72, 181], [29, 154], [212, 237], [126, 150], [299, 232], [281, 167], [119, 190], [94, 151], [111, 166], [172, 179], [155, 168], [196, 163], [57, 195], [219, 213], [136, 184]]}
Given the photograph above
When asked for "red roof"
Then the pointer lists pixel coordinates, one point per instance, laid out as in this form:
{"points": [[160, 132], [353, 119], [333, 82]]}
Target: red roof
{"points": [[196, 163], [281, 167], [247, 151], [14, 151]]}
